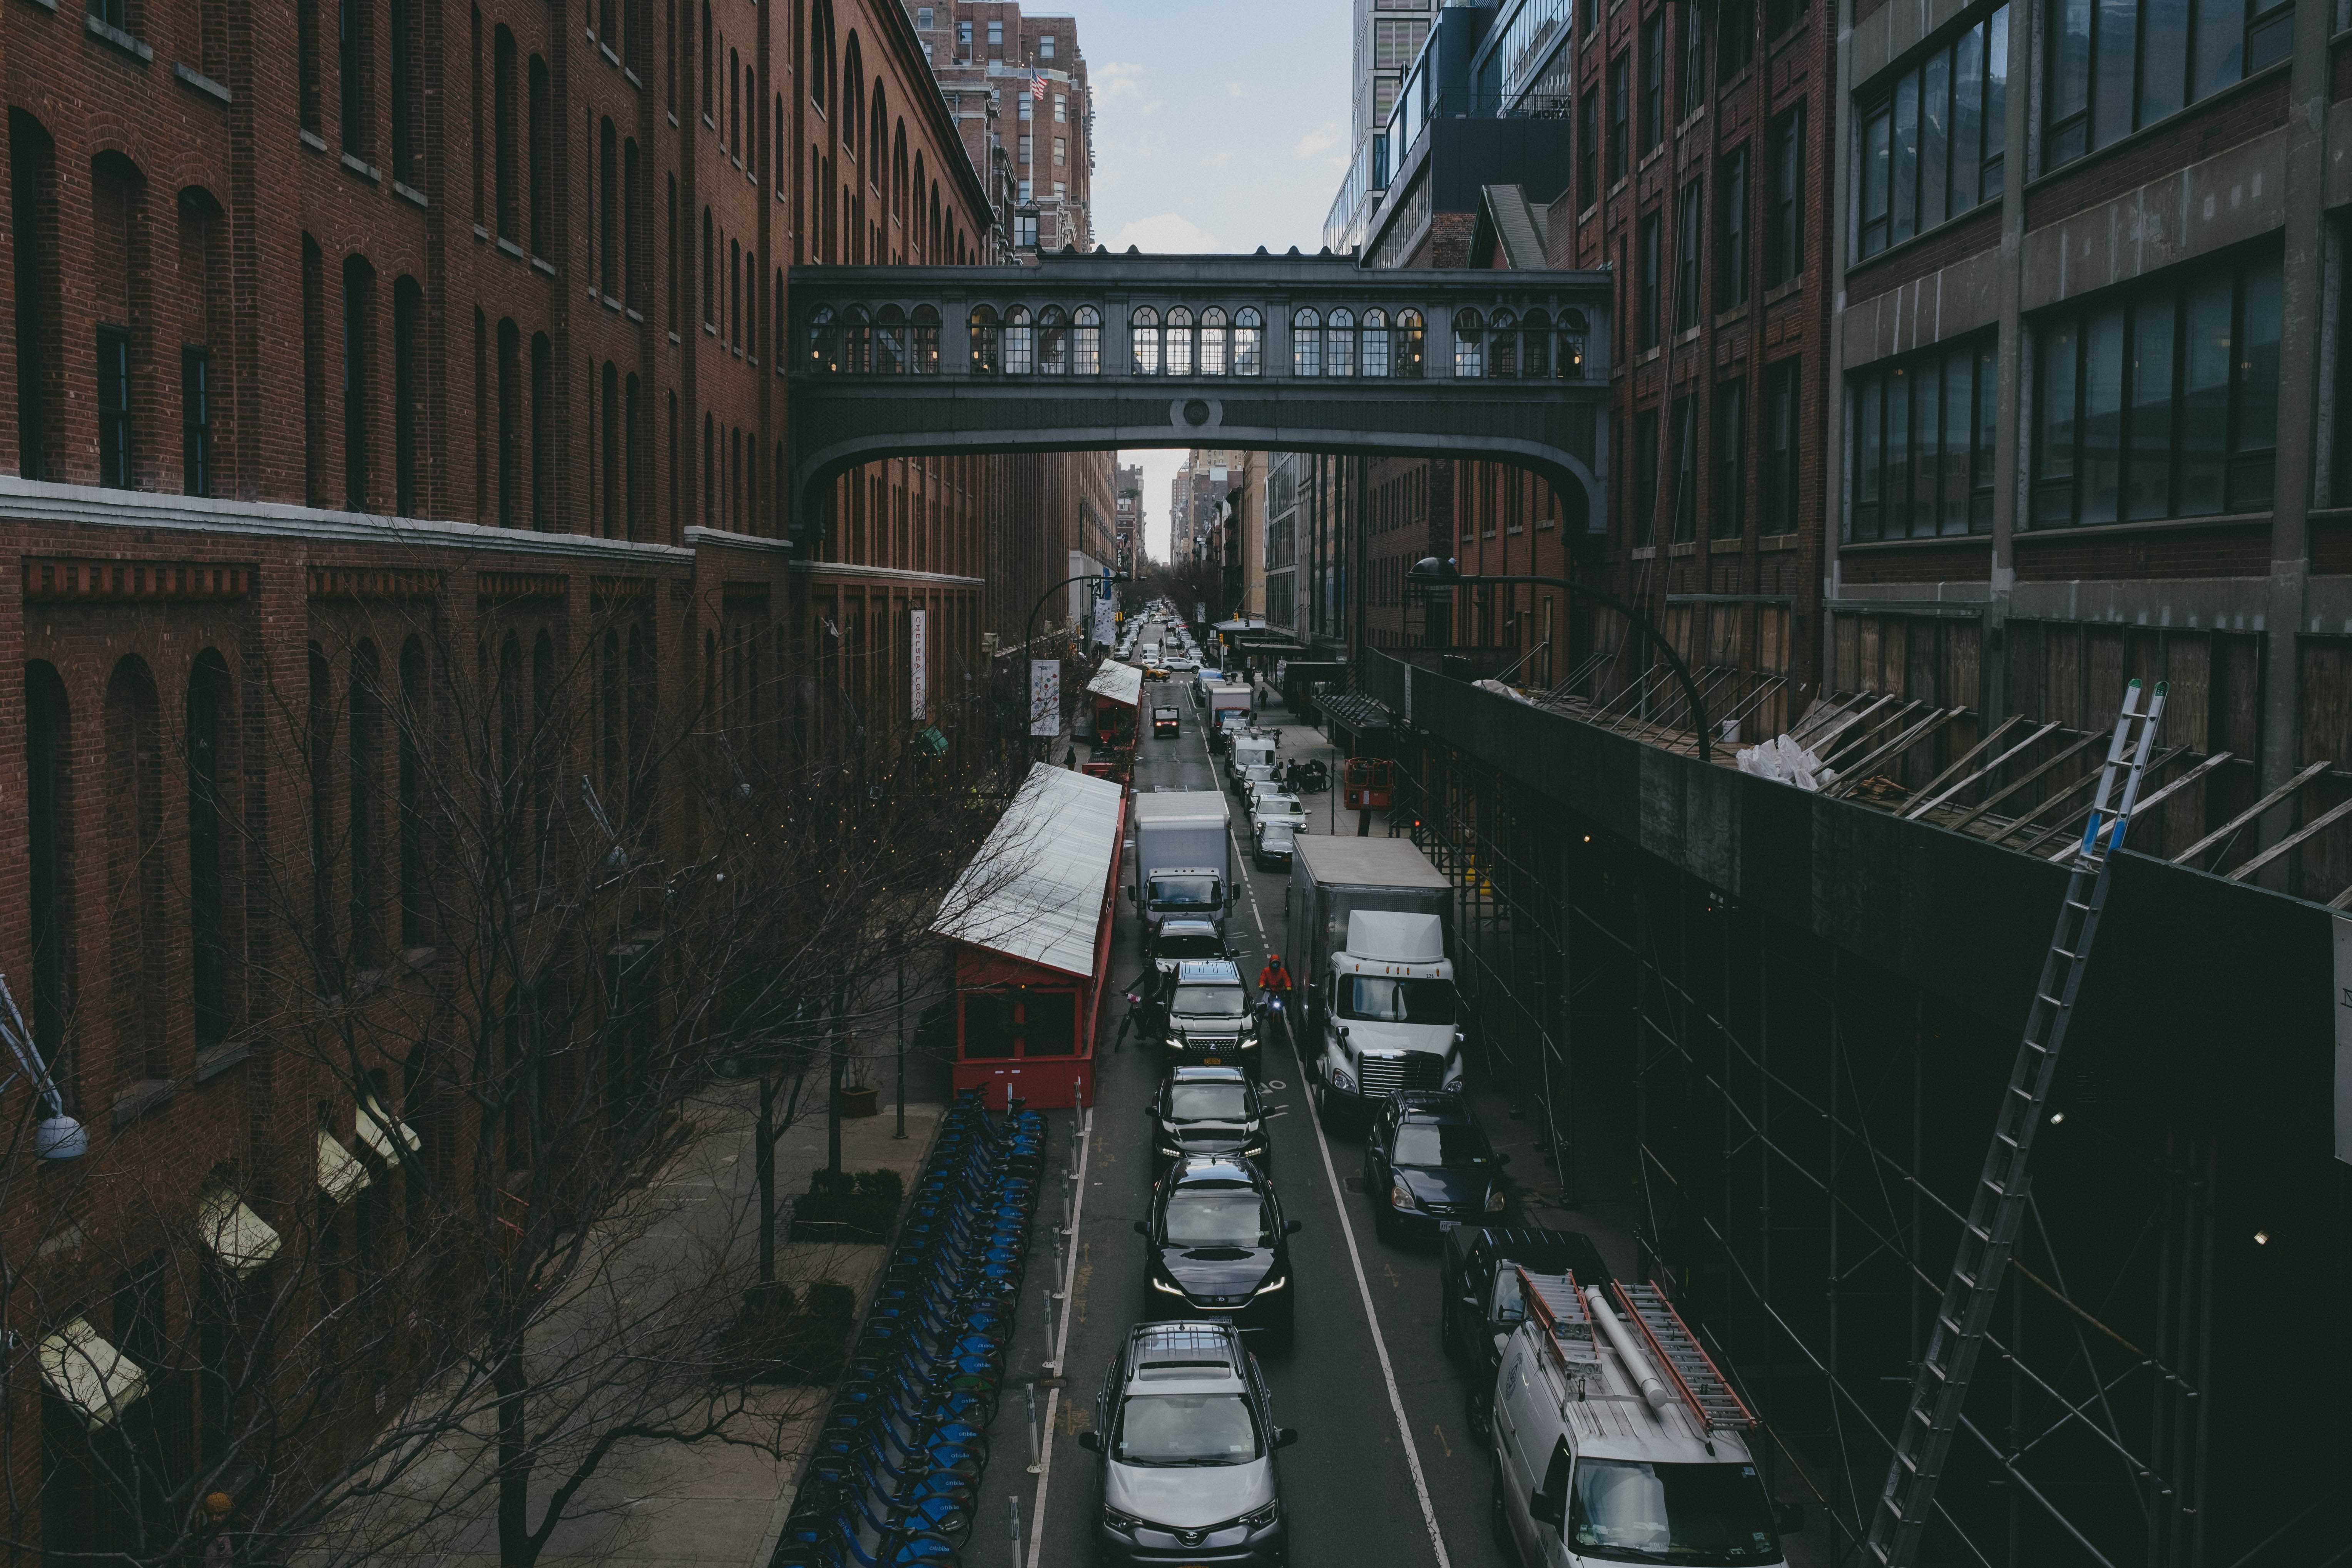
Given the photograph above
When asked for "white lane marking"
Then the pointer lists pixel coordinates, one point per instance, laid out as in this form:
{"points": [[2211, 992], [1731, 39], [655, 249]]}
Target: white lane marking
{"points": [[1355, 1260], [1061, 1351]]}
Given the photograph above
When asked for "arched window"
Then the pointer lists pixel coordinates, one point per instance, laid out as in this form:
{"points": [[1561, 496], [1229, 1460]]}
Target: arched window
{"points": [[364, 830], [857, 341], [1376, 343], [820, 53], [1306, 342], [609, 417], [542, 433], [632, 291], [539, 153], [1405, 359], [1339, 344], [407, 393], [986, 350], [890, 341], [1535, 346], [823, 340], [359, 394], [210, 716], [1469, 345], [509, 431], [779, 320], [1053, 341], [1249, 341], [1567, 360], [1213, 341], [506, 195], [1143, 335], [709, 272], [137, 894], [1503, 347], [413, 725], [633, 464], [925, 347], [1086, 343], [709, 472], [709, 52], [48, 809], [1020, 342], [1180, 340]]}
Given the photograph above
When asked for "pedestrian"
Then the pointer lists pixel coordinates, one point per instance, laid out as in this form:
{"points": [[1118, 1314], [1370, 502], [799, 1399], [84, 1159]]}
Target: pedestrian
{"points": [[1070, 757], [218, 1551]]}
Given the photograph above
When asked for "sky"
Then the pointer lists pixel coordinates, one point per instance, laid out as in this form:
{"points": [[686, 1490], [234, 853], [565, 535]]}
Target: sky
{"points": [[1219, 125]]}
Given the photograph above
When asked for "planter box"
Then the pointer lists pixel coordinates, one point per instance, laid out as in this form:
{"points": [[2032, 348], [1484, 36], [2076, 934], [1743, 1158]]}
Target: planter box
{"points": [[861, 1101]]}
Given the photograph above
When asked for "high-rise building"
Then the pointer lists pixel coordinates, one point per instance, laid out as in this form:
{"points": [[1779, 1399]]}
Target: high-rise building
{"points": [[1128, 490], [1017, 86]]}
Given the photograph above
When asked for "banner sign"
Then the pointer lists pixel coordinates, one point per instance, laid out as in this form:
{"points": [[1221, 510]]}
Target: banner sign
{"points": [[1199, 613], [1106, 630], [1044, 696], [918, 669]]}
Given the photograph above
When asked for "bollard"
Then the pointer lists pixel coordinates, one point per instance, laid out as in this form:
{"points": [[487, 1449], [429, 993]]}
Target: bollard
{"points": [[1031, 1391], [1053, 1362], [1061, 1270], [1012, 1502], [1067, 1227]]}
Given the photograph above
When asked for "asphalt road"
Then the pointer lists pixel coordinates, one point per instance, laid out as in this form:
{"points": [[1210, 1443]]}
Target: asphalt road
{"points": [[1385, 1472]]}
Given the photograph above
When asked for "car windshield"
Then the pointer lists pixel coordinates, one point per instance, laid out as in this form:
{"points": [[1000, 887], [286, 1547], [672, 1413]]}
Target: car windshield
{"points": [[1274, 804], [1280, 834], [1636, 1512], [1511, 1303], [1433, 1143], [1185, 1430], [1184, 892], [1208, 1102], [1176, 949], [1208, 1001], [1217, 1216], [1379, 999]]}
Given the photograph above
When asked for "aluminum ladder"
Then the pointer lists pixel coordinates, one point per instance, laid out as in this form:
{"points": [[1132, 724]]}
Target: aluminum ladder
{"points": [[1674, 1348], [1558, 1308], [1940, 1386]]}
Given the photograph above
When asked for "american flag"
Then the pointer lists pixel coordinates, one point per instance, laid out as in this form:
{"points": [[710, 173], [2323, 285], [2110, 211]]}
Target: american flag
{"points": [[1037, 88]]}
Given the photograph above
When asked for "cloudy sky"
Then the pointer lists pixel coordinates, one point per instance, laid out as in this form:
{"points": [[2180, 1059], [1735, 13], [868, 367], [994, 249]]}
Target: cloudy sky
{"points": [[1219, 125]]}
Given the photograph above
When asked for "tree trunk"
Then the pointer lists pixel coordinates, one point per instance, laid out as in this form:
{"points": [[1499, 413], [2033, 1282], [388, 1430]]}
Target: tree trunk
{"points": [[515, 1549]]}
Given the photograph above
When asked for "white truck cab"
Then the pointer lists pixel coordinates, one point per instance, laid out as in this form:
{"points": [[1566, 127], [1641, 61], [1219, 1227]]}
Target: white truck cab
{"points": [[1616, 1440], [1391, 1017]]}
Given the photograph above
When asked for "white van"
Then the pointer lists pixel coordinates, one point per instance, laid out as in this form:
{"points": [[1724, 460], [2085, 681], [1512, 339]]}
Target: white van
{"points": [[1616, 1439]]}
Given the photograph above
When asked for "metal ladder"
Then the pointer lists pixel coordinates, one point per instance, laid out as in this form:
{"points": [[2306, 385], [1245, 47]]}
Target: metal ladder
{"points": [[1940, 1386], [1704, 1388], [1559, 1307]]}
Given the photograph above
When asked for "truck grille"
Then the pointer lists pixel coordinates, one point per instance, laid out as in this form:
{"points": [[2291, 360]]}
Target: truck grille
{"points": [[1408, 1069]]}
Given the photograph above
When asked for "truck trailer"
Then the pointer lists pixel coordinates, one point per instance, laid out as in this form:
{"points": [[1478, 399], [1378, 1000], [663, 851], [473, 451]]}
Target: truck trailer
{"points": [[1183, 859]]}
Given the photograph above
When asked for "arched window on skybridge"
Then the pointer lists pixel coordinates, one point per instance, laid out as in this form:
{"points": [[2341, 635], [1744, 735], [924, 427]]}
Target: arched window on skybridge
{"points": [[1469, 345], [890, 341], [1020, 342], [823, 341], [1143, 334], [924, 347], [1535, 346], [1339, 343], [1249, 341], [987, 338], [1053, 341], [1306, 342], [1086, 342], [1376, 343], [1213, 341], [1405, 346], [856, 341], [1568, 358], [1180, 341], [1503, 345]]}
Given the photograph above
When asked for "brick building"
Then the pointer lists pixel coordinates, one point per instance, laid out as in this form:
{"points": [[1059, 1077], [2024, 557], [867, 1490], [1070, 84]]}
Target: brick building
{"points": [[340, 342]]}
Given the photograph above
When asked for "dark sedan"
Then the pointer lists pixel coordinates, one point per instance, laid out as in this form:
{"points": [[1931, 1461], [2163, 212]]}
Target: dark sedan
{"points": [[1479, 1300], [1426, 1161], [1216, 1246], [1208, 1110]]}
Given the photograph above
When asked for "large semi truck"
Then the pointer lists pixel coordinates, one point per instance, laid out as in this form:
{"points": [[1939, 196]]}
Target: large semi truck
{"points": [[1184, 859], [1369, 946]]}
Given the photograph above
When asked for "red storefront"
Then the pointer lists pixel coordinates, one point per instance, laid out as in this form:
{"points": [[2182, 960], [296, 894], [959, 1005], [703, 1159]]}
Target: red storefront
{"points": [[1030, 921]]}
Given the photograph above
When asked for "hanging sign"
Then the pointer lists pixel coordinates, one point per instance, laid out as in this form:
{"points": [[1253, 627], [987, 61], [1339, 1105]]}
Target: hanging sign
{"points": [[1044, 696], [918, 668]]}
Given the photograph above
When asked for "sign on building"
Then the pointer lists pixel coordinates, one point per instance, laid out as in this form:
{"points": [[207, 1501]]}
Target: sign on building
{"points": [[918, 669], [1044, 696]]}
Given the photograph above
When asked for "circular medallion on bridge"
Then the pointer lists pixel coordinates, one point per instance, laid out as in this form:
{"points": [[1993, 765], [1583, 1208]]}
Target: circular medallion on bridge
{"points": [[1196, 412]]}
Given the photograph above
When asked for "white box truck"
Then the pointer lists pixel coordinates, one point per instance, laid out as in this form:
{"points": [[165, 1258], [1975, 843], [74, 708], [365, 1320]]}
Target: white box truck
{"points": [[1368, 947], [1227, 699], [1184, 859]]}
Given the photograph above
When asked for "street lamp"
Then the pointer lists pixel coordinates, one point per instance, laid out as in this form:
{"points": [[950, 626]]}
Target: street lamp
{"points": [[1049, 593], [1429, 575]]}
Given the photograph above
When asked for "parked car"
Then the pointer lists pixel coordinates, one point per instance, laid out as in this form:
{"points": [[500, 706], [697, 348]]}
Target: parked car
{"points": [[1185, 1427], [1215, 1245], [1270, 799], [1257, 772], [1426, 1160], [1182, 941], [1208, 1110], [1479, 1300], [1272, 843], [1209, 1021], [1163, 722]]}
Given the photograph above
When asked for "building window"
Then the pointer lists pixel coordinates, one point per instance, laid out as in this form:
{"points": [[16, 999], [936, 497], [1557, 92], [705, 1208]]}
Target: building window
{"points": [[1645, 477], [1686, 497], [1691, 90], [114, 453], [306, 59], [1469, 345], [1306, 342], [31, 195], [1061, 152], [503, 172], [415, 891], [963, 36], [1588, 150], [407, 394], [1060, 108], [352, 74], [995, 34], [1733, 28], [1646, 266], [1932, 141], [1689, 225], [365, 827], [1024, 155], [209, 713], [358, 402], [1728, 515], [1783, 391], [195, 421], [1143, 338], [1620, 89], [406, 99], [509, 416], [923, 18], [2117, 65], [608, 212], [49, 778], [1213, 341], [1731, 232], [1780, 15], [2159, 402], [1396, 43], [1339, 347], [1784, 204], [1924, 428], [1045, 46], [1249, 341], [1653, 79], [542, 161], [1086, 342], [542, 433]]}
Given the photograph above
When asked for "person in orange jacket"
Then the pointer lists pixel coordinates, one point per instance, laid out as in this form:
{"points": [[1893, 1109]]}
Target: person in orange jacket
{"points": [[1274, 980]]}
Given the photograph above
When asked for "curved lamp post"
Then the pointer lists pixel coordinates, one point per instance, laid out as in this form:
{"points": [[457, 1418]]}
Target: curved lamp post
{"points": [[1429, 574], [1040, 605]]}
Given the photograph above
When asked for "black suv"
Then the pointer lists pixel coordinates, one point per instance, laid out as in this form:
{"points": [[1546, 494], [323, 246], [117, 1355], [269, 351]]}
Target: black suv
{"points": [[1216, 1246], [1479, 1300], [1208, 1110], [1426, 1161]]}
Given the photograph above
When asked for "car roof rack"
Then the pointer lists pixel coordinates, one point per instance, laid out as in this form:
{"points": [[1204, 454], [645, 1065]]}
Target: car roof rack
{"points": [[1558, 1307], [1674, 1348]]}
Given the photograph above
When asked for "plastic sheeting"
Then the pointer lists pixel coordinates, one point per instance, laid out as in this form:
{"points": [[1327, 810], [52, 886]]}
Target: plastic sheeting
{"points": [[1781, 758]]}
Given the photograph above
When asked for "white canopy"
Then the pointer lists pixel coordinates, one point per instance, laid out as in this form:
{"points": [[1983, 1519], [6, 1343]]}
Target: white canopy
{"points": [[1120, 682], [1035, 891], [89, 1374], [389, 1138], [239, 1238], [341, 1174]]}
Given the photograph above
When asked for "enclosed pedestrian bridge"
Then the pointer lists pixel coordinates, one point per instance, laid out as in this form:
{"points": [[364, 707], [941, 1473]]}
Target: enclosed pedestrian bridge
{"points": [[1302, 353]]}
